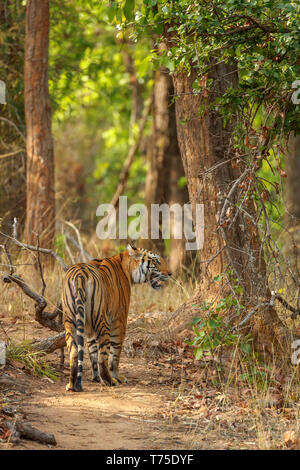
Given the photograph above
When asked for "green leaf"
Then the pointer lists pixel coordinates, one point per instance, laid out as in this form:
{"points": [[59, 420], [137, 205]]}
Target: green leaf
{"points": [[199, 334], [158, 29], [112, 13], [238, 289], [128, 9], [213, 324], [195, 320], [198, 353], [246, 348], [182, 182]]}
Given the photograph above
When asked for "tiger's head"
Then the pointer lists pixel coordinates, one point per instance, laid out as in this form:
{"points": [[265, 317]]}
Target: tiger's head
{"points": [[148, 267]]}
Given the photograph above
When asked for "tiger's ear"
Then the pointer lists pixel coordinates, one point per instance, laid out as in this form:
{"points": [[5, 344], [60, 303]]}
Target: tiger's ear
{"points": [[133, 251], [132, 243]]}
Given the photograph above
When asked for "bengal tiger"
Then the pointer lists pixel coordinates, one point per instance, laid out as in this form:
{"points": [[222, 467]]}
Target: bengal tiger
{"points": [[95, 303]]}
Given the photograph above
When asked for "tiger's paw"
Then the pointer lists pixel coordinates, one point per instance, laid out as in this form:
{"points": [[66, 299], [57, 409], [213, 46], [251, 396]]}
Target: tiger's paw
{"points": [[96, 379], [122, 379], [110, 383], [78, 388], [107, 378], [70, 388]]}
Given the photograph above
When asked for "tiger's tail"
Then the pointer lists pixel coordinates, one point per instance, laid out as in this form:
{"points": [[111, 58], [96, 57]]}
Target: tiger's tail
{"points": [[79, 307]]}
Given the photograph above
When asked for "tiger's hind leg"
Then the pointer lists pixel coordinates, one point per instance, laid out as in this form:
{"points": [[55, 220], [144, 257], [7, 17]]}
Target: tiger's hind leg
{"points": [[93, 352], [73, 352], [117, 339], [103, 354]]}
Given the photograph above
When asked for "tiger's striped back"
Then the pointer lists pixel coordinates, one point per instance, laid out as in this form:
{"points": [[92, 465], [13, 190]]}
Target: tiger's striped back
{"points": [[96, 297]]}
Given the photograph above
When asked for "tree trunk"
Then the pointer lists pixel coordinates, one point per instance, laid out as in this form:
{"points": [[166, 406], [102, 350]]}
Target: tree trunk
{"points": [[165, 164], [177, 256], [291, 249], [137, 89], [231, 240], [40, 215], [292, 166]]}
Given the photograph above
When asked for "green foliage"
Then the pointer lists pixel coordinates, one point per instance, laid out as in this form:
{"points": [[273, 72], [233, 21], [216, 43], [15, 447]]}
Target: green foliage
{"points": [[128, 9], [182, 182], [213, 332], [258, 374], [59, 245], [212, 329], [33, 361]]}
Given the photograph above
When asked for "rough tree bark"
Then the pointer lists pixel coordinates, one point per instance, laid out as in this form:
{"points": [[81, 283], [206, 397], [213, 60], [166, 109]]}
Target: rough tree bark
{"points": [[178, 256], [40, 215], [292, 212], [165, 164], [213, 177], [292, 166]]}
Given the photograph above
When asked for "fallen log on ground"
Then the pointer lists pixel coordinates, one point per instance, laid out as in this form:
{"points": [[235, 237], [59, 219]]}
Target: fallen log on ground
{"points": [[50, 344], [22, 429]]}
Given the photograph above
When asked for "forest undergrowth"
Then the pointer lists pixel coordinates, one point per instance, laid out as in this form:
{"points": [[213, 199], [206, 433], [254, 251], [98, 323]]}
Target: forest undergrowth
{"points": [[227, 396]]}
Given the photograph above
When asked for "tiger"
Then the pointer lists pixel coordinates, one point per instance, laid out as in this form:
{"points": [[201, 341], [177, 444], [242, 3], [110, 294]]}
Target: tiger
{"points": [[95, 304]]}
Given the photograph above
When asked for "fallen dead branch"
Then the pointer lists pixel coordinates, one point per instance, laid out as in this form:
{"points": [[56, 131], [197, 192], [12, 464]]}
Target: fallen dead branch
{"points": [[23, 430], [84, 252], [85, 256], [287, 306], [50, 344]]}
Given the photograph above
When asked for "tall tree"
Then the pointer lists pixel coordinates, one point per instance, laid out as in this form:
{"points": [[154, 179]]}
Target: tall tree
{"points": [[126, 49], [40, 214], [292, 210], [231, 239], [164, 162]]}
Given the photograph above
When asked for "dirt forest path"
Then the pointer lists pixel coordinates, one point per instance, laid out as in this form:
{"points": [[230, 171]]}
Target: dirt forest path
{"points": [[141, 414], [170, 402], [125, 417], [158, 409]]}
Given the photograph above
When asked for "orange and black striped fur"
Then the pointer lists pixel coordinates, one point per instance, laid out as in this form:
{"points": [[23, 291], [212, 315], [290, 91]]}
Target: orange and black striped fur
{"points": [[95, 300]]}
